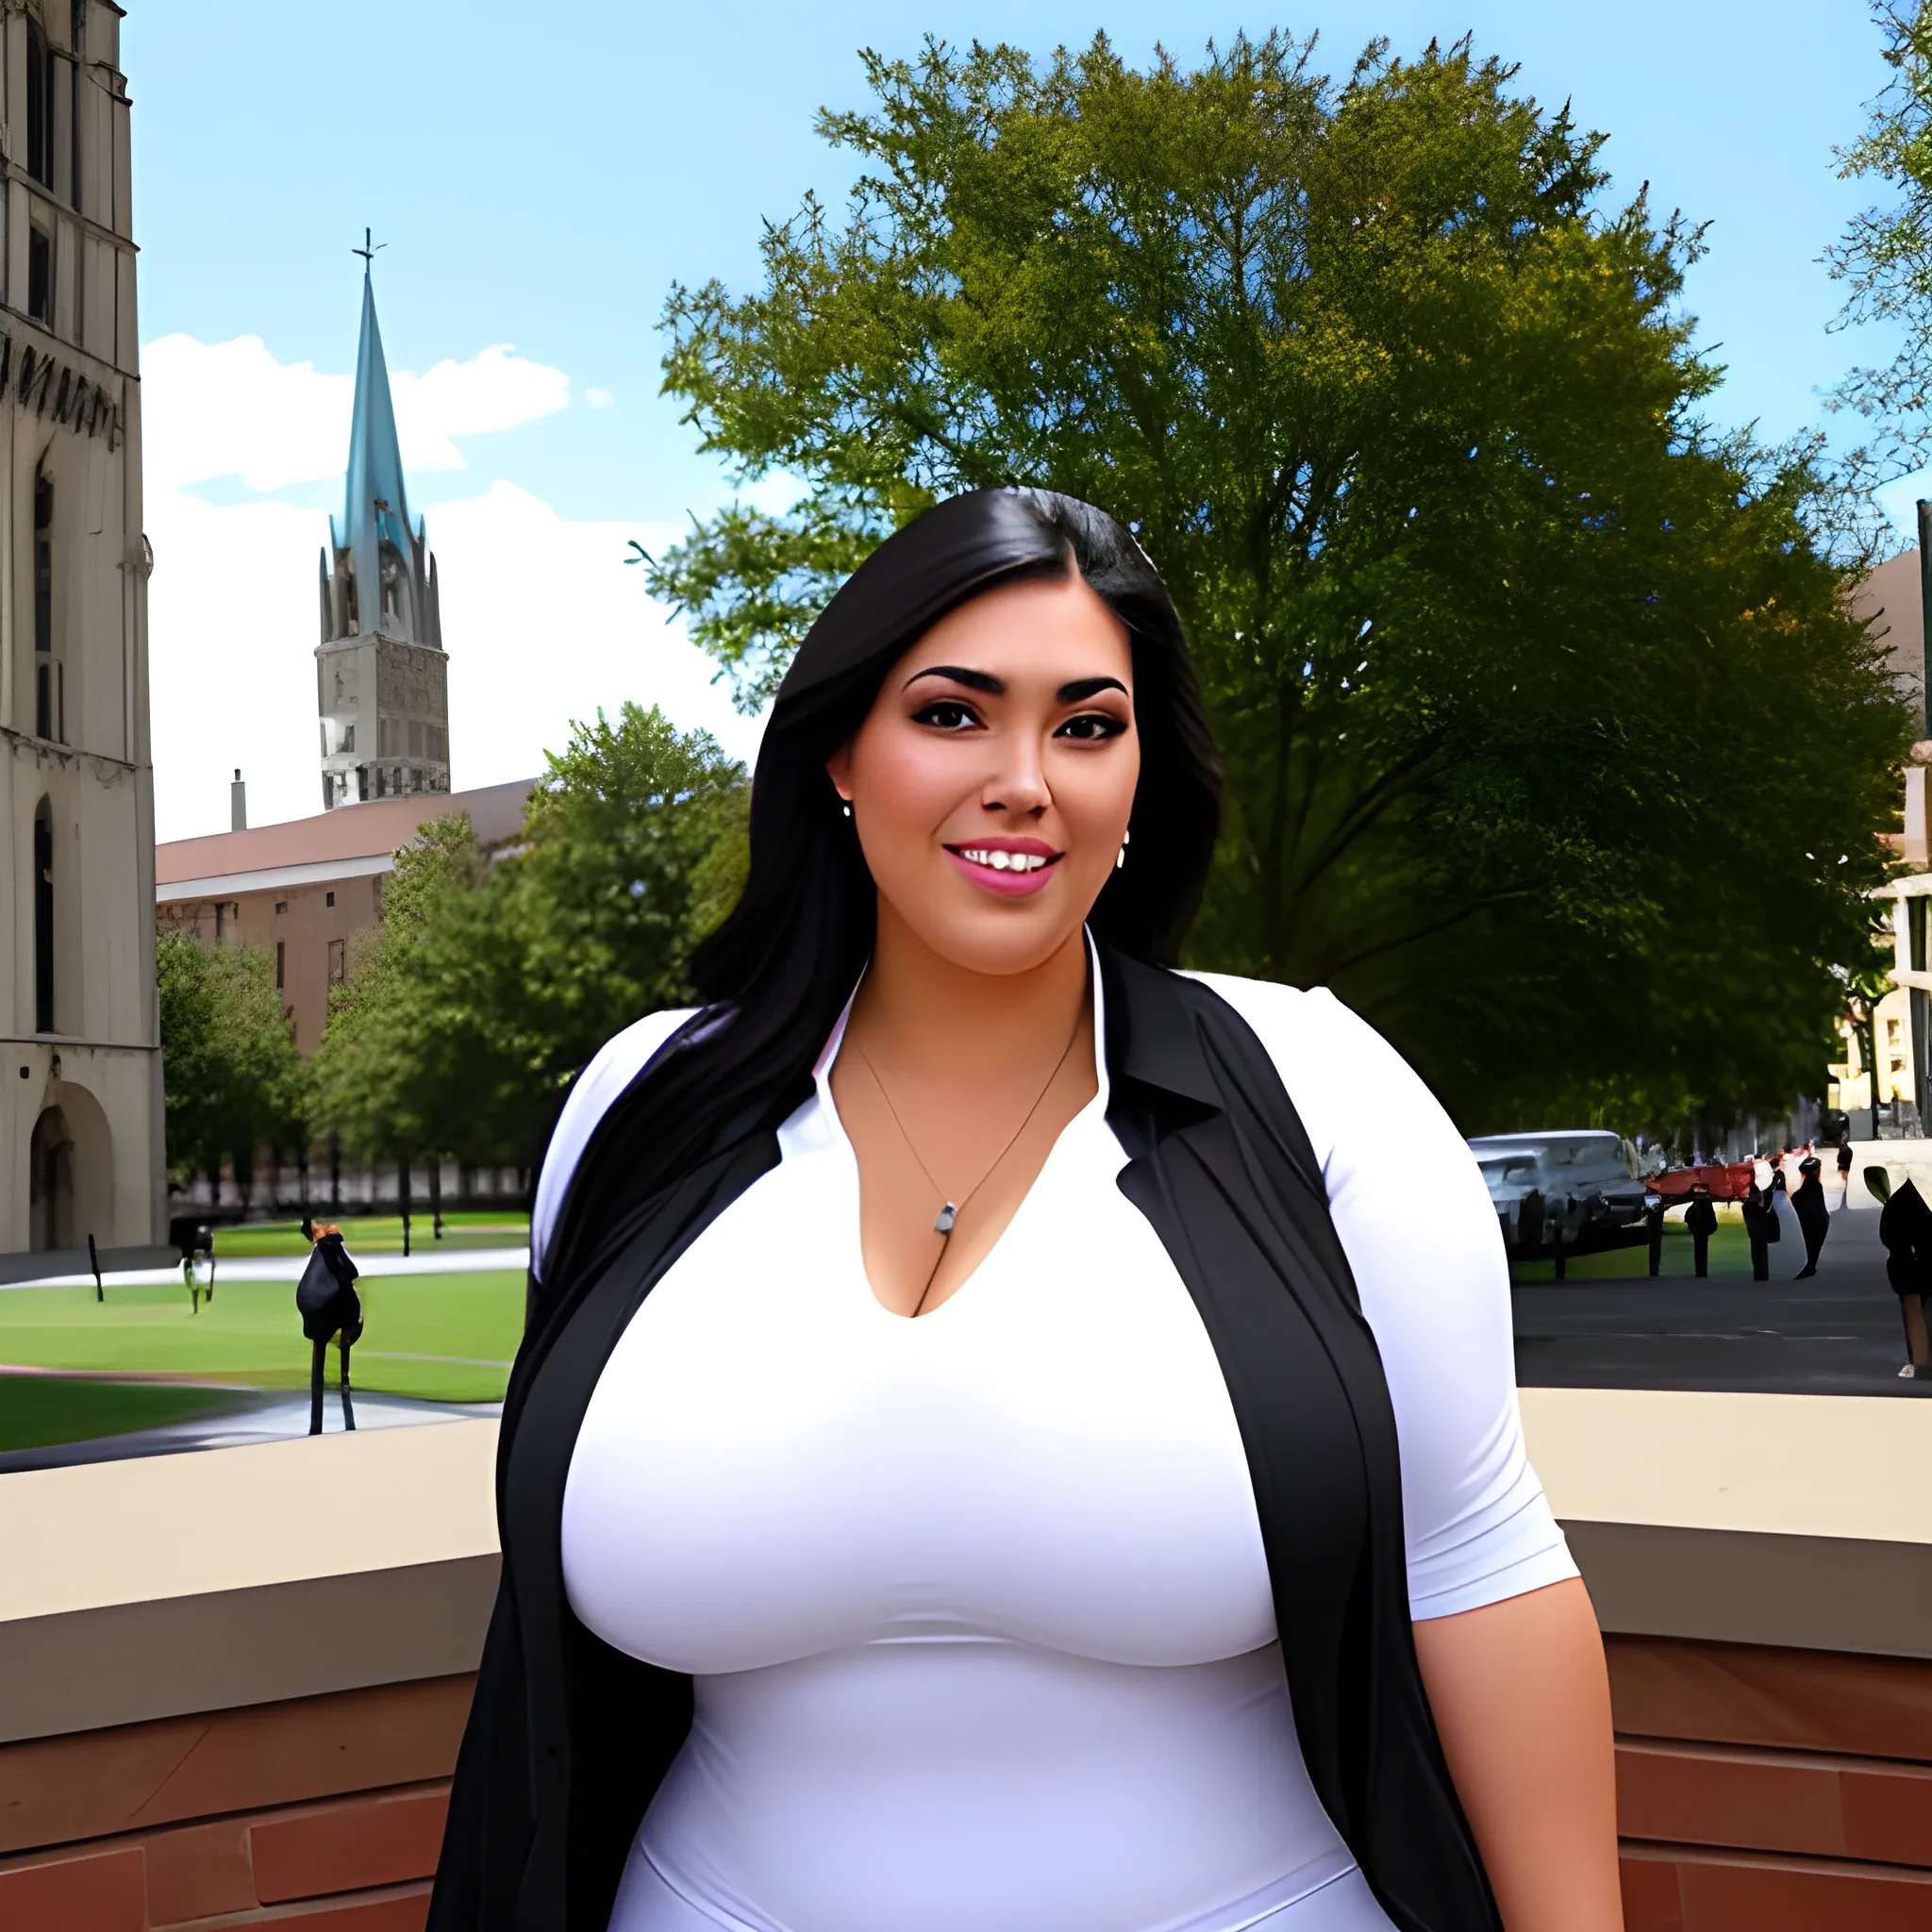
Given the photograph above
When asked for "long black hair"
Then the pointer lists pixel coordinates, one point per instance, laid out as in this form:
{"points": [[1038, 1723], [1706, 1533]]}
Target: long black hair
{"points": [[775, 974]]}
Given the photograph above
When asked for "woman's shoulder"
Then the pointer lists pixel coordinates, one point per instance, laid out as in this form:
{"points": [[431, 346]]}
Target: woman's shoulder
{"points": [[1296, 1024], [609, 1070], [1347, 1082]]}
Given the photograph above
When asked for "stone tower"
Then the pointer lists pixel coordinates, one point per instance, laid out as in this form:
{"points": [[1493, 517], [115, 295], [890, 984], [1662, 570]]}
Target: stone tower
{"points": [[382, 688], [81, 1149]]}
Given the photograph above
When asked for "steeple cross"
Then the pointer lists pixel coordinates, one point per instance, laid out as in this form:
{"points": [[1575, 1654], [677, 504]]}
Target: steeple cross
{"points": [[368, 250]]}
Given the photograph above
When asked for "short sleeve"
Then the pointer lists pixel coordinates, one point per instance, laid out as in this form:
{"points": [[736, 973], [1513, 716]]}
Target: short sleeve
{"points": [[612, 1068], [1419, 1230]]}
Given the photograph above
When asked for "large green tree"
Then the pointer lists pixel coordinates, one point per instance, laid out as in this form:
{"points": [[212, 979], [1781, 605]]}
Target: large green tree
{"points": [[1550, 745], [232, 1078], [491, 981], [1885, 255]]}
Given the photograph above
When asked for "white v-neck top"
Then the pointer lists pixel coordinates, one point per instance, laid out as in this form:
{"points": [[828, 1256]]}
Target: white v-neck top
{"points": [[976, 1604]]}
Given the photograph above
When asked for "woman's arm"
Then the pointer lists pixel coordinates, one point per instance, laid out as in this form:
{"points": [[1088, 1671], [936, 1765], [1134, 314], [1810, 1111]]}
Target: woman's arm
{"points": [[1521, 1702]]}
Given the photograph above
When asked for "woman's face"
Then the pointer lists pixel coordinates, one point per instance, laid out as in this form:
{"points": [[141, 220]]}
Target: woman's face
{"points": [[991, 781]]}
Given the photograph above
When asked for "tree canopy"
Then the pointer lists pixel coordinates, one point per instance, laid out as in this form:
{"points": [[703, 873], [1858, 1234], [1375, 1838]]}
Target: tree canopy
{"points": [[232, 1077], [1550, 745], [1885, 256], [493, 979]]}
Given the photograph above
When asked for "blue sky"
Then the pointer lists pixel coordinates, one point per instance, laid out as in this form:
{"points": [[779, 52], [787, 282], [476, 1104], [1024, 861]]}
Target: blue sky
{"points": [[543, 190]]}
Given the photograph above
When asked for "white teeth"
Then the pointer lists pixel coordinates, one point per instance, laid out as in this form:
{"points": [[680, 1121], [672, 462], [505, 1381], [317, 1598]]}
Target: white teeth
{"points": [[1002, 861]]}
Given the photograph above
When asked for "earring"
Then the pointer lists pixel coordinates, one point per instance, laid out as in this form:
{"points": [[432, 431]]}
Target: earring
{"points": [[1120, 858], [846, 808]]}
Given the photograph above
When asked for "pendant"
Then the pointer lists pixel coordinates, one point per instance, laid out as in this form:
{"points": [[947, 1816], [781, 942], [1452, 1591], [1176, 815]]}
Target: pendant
{"points": [[948, 1214]]}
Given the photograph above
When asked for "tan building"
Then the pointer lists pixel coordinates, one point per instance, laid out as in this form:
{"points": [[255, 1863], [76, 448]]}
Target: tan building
{"points": [[303, 891], [80, 1120]]}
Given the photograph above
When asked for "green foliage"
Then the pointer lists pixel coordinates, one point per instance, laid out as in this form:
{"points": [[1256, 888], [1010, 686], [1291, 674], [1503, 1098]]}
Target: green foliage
{"points": [[492, 980], [615, 837], [1526, 679], [1885, 255], [233, 1078]]}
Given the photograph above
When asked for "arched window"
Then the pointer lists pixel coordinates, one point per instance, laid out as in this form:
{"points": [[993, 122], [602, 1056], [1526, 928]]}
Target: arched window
{"points": [[43, 917], [50, 698], [40, 107]]}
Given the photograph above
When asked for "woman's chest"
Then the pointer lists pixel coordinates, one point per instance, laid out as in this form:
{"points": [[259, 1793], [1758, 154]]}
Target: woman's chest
{"points": [[773, 1466]]}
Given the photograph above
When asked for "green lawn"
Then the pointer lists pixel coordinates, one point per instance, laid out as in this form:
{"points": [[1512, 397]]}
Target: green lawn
{"points": [[37, 1411], [376, 1234], [446, 1338], [1730, 1254]]}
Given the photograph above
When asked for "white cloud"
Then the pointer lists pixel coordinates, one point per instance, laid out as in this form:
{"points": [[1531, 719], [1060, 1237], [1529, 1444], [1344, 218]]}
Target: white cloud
{"points": [[599, 398], [543, 620], [231, 409]]}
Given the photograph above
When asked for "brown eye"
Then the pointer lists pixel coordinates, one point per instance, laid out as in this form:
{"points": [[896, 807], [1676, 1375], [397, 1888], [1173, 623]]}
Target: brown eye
{"points": [[1092, 726], [946, 714]]}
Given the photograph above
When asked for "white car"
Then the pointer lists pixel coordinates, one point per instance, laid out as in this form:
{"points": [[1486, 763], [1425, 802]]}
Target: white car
{"points": [[1585, 1187]]}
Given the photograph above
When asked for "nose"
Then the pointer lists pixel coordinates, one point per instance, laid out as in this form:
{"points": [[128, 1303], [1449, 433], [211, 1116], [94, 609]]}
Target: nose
{"points": [[1018, 784]]}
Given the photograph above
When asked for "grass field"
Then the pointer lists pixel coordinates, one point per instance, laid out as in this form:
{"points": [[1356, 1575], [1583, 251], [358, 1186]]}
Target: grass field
{"points": [[35, 1411], [1730, 1254], [376, 1234], [443, 1337]]}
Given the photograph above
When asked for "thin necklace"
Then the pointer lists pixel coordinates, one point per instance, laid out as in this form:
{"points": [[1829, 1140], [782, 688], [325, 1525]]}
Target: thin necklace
{"points": [[950, 1211]]}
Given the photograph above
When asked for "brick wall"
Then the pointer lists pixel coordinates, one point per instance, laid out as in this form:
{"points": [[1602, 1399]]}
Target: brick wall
{"points": [[1772, 1790], [319, 1815], [1758, 1791]]}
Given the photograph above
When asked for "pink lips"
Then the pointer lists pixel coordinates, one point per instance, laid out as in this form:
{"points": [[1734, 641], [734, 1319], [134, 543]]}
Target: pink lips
{"points": [[1008, 885]]}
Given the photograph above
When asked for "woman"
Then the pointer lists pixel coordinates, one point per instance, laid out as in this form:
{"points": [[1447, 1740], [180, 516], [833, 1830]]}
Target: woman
{"points": [[985, 1457], [1904, 1226], [1812, 1214]]}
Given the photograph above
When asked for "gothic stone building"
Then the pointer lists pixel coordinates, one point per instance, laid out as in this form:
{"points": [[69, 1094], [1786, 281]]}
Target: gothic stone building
{"points": [[80, 1075], [381, 677]]}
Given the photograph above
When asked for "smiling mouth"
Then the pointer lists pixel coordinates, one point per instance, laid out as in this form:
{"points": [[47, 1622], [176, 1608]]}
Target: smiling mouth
{"points": [[1004, 870], [1001, 859]]}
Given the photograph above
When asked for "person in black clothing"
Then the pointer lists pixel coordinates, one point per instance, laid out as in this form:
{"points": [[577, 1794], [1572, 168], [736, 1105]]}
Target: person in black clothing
{"points": [[1760, 1224], [1844, 1169], [1906, 1229], [1814, 1217], [1700, 1217]]}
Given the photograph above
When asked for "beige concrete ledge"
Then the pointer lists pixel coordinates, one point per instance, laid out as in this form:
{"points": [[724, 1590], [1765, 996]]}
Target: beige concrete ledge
{"points": [[172, 1584], [155, 1587], [1803, 1520]]}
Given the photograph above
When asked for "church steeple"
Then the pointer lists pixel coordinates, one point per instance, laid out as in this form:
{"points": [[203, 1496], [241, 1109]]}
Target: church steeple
{"points": [[375, 511], [381, 672]]}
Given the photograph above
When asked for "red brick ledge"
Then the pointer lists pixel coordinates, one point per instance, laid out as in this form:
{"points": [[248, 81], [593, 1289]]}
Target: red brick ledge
{"points": [[1671, 1888]]}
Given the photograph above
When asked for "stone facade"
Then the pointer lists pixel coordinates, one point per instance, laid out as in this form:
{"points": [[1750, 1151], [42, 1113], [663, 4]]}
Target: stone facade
{"points": [[381, 683], [80, 1076]]}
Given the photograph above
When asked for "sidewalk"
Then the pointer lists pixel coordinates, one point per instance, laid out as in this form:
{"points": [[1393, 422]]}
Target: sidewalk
{"points": [[257, 1416], [289, 1267]]}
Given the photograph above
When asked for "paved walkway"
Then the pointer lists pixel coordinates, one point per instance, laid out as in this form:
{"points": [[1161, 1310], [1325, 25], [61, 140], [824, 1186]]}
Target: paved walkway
{"points": [[289, 1267], [255, 1416], [1838, 1334]]}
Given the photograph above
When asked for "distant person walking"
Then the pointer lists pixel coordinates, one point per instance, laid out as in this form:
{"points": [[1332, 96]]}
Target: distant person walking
{"points": [[1906, 1229], [1844, 1167], [1700, 1217], [1814, 1215], [1760, 1219]]}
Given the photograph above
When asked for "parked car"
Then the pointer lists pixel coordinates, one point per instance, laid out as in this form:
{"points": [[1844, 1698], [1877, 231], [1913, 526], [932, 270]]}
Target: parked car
{"points": [[1585, 1189]]}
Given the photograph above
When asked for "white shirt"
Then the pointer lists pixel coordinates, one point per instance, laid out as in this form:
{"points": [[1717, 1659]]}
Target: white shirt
{"points": [[976, 1604]]}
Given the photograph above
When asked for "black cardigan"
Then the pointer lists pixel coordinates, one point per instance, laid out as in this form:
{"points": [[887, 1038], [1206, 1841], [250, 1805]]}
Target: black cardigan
{"points": [[568, 1737]]}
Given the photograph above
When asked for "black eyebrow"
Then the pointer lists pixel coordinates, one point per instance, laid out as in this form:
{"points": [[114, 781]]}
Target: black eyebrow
{"points": [[973, 680], [1090, 687]]}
